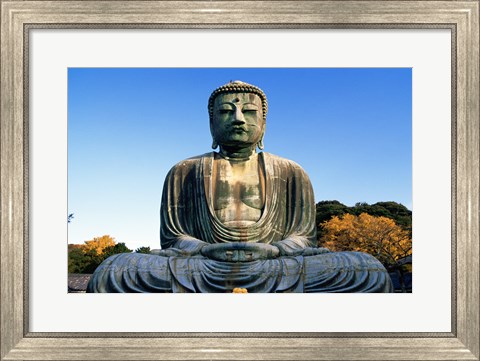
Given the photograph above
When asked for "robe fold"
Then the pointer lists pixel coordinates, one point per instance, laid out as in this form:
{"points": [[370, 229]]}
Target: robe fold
{"points": [[187, 205]]}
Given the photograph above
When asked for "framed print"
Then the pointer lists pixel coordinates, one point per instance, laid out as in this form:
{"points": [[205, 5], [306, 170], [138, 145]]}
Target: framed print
{"points": [[42, 40], [158, 152], [159, 70]]}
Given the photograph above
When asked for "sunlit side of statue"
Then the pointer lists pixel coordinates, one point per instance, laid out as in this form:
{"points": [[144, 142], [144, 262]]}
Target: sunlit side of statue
{"points": [[238, 219]]}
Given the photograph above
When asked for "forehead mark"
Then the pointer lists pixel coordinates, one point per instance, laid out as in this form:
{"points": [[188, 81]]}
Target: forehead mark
{"points": [[238, 98]]}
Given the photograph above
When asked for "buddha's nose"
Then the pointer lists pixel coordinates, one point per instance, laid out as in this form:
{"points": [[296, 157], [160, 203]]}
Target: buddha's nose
{"points": [[238, 117]]}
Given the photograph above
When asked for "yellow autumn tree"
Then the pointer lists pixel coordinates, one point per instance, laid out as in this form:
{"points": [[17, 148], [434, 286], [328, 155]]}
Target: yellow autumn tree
{"points": [[98, 244], [379, 236]]}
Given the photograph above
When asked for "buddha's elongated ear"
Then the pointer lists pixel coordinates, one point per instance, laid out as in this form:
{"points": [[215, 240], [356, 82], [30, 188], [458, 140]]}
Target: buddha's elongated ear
{"points": [[260, 142], [214, 141]]}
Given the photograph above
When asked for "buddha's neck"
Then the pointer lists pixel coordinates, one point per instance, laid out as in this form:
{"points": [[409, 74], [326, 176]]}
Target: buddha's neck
{"points": [[237, 153]]}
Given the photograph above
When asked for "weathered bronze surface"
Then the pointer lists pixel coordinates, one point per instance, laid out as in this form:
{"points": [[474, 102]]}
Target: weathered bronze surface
{"points": [[239, 219]]}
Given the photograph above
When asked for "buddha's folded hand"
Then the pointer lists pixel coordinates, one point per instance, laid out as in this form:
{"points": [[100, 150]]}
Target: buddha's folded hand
{"points": [[293, 246], [240, 251]]}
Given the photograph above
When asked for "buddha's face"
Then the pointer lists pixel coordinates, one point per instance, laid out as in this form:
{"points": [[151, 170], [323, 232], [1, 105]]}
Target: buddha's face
{"points": [[237, 119]]}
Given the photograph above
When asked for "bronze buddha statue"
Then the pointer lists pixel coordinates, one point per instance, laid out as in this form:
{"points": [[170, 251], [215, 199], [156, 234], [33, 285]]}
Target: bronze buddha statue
{"points": [[239, 219]]}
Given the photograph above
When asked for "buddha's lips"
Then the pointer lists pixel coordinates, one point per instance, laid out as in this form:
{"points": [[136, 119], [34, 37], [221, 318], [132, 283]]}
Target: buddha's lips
{"points": [[237, 129]]}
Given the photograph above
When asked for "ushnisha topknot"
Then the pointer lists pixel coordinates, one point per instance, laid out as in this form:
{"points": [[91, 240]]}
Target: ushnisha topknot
{"points": [[237, 86]]}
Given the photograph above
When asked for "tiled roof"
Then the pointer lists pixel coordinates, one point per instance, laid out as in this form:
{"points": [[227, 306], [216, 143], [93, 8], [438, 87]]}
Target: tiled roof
{"points": [[78, 282]]}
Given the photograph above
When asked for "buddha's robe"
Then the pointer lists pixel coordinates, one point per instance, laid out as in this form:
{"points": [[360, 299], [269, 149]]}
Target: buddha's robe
{"points": [[187, 210], [188, 220]]}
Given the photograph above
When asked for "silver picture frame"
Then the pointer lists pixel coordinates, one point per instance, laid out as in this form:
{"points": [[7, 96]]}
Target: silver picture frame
{"points": [[19, 17]]}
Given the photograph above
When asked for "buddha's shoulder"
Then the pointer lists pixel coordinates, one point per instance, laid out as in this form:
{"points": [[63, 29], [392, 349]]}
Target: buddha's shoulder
{"points": [[191, 162], [282, 162]]}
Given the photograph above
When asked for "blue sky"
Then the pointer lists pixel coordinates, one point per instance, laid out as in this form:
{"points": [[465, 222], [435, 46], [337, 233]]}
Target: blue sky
{"points": [[350, 129]]}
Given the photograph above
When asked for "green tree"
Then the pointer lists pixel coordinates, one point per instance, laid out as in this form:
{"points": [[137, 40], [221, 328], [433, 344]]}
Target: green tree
{"points": [[398, 212], [393, 210], [118, 248], [76, 260], [145, 250], [81, 261], [93, 260], [325, 210]]}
